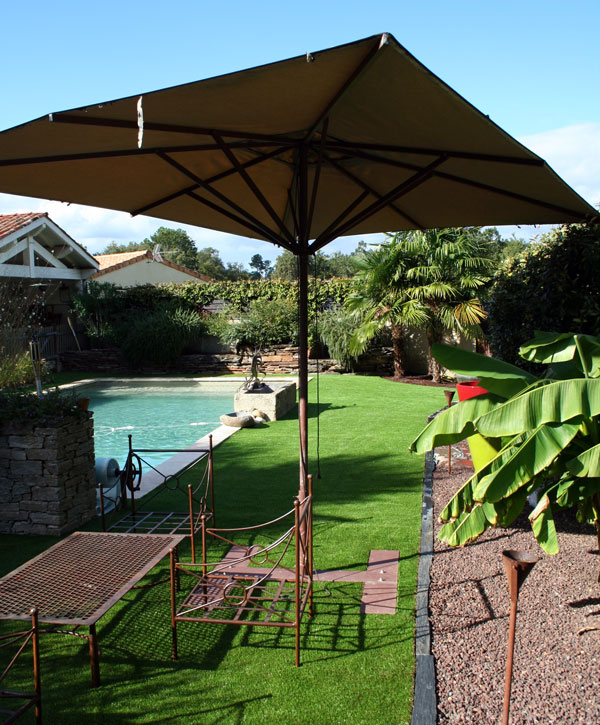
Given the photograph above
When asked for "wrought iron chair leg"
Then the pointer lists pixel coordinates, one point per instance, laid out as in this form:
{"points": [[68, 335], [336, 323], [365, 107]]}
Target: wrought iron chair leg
{"points": [[94, 656]]}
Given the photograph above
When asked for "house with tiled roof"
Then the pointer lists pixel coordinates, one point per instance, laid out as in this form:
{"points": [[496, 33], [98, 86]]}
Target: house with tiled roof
{"points": [[32, 246], [129, 269], [36, 252]]}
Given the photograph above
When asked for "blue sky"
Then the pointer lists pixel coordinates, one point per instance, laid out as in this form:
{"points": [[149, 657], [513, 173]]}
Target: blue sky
{"points": [[533, 66]]}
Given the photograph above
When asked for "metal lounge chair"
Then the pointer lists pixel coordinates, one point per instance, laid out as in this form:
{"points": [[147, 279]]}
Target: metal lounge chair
{"points": [[200, 496], [252, 585]]}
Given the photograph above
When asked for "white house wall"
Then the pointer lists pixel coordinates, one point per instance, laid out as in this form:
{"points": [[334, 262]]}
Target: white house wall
{"points": [[146, 271]]}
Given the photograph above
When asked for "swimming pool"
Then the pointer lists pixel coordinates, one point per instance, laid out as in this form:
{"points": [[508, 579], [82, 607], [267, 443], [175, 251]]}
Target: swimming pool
{"points": [[158, 414]]}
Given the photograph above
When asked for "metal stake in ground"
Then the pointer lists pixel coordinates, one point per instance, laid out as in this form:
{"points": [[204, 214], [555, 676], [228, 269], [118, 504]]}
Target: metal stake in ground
{"points": [[517, 565], [449, 395]]}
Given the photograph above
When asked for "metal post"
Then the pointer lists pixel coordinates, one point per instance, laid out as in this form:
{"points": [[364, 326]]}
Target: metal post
{"points": [[297, 569], [191, 510], [303, 316], [211, 478], [93, 646], [517, 565], [37, 680], [173, 620], [449, 395]]}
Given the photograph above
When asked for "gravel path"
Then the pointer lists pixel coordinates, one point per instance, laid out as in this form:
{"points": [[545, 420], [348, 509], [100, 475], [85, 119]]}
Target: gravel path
{"points": [[556, 674]]}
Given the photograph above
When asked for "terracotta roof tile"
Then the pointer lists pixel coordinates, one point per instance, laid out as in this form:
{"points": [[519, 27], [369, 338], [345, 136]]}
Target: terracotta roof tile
{"points": [[10, 223], [110, 260]]}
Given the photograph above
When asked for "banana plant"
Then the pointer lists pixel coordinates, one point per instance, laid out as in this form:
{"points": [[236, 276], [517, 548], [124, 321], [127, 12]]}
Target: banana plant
{"points": [[550, 431]]}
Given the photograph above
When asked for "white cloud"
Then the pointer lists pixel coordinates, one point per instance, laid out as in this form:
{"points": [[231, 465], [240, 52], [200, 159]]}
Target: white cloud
{"points": [[574, 153]]}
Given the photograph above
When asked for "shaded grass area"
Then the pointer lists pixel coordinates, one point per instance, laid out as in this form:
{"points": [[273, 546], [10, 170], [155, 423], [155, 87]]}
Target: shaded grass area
{"points": [[355, 668]]}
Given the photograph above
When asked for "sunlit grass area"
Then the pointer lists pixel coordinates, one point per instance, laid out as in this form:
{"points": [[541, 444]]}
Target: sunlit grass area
{"points": [[355, 668]]}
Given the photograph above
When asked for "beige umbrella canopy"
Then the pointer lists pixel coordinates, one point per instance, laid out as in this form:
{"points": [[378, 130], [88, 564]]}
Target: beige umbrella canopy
{"points": [[356, 139]]}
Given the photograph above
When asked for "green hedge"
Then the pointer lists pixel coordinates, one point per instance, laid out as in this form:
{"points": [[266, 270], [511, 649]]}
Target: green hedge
{"points": [[241, 294], [554, 285]]}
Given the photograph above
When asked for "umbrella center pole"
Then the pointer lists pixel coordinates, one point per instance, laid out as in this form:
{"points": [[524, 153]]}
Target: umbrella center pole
{"points": [[303, 368]]}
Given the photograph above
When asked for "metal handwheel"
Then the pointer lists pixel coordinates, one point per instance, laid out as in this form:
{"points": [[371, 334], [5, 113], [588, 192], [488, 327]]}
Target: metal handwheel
{"points": [[131, 475]]}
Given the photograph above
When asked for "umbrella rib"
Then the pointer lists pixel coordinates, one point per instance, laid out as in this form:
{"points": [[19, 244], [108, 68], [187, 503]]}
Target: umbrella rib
{"points": [[471, 182], [343, 215], [220, 196], [315, 186], [90, 156], [272, 236], [170, 128], [200, 182], [376, 194], [470, 155], [404, 188], [251, 185]]}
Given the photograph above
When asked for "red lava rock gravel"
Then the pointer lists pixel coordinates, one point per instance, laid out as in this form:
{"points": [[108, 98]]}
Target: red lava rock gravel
{"points": [[556, 671]]}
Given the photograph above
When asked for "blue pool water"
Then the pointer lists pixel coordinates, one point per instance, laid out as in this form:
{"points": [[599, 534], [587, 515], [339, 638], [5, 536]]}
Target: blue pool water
{"points": [[157, 414]]}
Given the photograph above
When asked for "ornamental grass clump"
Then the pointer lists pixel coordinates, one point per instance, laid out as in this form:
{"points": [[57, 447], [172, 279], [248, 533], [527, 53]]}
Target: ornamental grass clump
{"points": [[550, 431]]}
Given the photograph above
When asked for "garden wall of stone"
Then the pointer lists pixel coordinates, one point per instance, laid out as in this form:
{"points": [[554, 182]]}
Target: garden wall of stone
{"points": [[47, 479], [279, 360]]}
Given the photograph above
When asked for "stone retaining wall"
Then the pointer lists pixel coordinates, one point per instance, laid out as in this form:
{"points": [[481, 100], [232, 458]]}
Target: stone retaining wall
{"points": [[280, 360], [47, 479]]}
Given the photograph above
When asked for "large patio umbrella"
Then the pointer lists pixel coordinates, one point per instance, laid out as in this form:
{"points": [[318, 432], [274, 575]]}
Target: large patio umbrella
{"points": [[356, 139]]}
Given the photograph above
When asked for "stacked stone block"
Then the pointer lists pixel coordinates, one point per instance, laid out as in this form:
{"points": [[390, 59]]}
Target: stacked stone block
{"points": [[47, 478], [279, 360]]}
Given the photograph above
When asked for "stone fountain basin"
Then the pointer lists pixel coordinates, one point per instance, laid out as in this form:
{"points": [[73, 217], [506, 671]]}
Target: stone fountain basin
{"points": [[274, 400]]}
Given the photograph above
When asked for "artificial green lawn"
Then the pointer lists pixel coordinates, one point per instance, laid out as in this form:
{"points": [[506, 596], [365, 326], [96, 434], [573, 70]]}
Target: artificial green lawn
{"points": [[355, 668]]}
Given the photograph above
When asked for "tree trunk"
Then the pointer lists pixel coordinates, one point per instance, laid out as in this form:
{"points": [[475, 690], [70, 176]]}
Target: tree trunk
{"points": [[398, 345], [435, 369]]}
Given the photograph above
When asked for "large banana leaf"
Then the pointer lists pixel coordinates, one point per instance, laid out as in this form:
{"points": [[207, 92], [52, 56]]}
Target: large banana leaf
{"points": [[556, 402], [586, 464], [552, 347], [542, 523], [518, 464], [462, 502], [469, 525], [498, 377], [454, 424]]}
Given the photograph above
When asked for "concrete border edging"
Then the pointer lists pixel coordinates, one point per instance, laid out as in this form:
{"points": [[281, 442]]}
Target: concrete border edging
{"points": [[425, 698], [425, 701]]}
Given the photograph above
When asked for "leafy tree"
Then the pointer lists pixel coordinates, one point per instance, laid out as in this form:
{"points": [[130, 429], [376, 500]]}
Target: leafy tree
{"points": [[115, 248], [424, 279], [447, 270], [176, 245], [342, 265], [286, 267], [550, 431], [262, 267], [235, 271], [319, 265], [553, 285], [211, 264], [379, 295]]}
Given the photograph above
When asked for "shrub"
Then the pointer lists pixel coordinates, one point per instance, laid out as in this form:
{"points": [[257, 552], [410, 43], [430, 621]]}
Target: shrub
{"points": [[264, 323], [336, 326], [160, 337], [554, 285], [23, 407], [17, 370]]}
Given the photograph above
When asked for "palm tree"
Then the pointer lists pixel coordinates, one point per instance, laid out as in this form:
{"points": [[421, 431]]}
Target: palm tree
{"points": [[448, 267], [379, 295]]}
